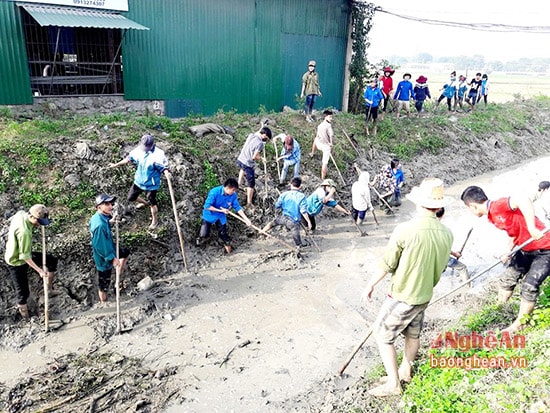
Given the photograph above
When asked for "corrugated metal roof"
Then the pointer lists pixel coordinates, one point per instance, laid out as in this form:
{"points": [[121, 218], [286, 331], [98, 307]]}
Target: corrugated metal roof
{"points": [[75, 17]]}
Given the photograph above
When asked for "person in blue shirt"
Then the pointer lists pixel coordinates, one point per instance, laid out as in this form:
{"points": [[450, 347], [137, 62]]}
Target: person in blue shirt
{"points": [[150, 164], [290, 154], [103, 246], [403, 94], [449, 92], [461, 91], [484, 89], [219, 201], [293, 206], [399, 176], [321, 197], [373, 96]]}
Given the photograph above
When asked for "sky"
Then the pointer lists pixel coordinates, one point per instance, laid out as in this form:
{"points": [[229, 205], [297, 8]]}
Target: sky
{"points": [[391, 35]]}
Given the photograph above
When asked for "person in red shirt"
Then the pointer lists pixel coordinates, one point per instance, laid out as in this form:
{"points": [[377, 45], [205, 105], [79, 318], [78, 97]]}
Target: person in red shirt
{"points": [[387, 86], [516, 216]]}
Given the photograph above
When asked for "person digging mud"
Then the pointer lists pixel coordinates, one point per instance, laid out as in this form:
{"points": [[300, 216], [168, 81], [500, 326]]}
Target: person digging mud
{"points": [[151, 164], [250, 152], [516, 216], [219, 201], [360, 196], [416, 255], [103, 246], [293, 206], [323, 196], [324, 141], [19, 255]]}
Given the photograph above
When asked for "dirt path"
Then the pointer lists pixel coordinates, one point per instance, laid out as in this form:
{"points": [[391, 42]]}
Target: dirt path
{"points": [[261, 330]]}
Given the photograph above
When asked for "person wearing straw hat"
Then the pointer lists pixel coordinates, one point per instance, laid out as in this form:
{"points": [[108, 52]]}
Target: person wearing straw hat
{"points": [[103, 246], [321, 197], [310, 89], [416, 255], [19, 255], [516, 216], [151, 163]]}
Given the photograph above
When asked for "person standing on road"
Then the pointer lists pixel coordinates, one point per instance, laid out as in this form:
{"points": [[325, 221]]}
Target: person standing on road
{"points": [[293, 206], [250, 152], [19, 255], [150, 164], [516, 216], [324, 141], [416, 255], [219, 201], [103, 246], [290, 154], [310, 89]]}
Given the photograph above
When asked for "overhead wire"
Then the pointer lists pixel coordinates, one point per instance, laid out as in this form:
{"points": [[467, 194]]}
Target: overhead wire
{"points": [[488, 27]]}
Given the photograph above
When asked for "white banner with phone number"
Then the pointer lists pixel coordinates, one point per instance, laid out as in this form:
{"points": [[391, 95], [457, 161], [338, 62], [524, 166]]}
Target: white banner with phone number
{"points": [[121, 5]]}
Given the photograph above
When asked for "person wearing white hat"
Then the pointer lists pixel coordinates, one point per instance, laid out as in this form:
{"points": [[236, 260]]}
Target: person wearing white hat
{"points": [[416, 255], [321, 197], [19, 255]]}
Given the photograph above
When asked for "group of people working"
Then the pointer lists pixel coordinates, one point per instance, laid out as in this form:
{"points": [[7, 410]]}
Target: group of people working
{"points": [[418, 252]]}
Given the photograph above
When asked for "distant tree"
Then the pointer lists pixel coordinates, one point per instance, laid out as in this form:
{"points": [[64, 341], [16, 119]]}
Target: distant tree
{"points": [[424, 58], [496, 65]]}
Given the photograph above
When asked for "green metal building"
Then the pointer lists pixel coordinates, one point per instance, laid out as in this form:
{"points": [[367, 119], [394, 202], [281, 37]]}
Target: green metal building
{"points": [[197, 56]]}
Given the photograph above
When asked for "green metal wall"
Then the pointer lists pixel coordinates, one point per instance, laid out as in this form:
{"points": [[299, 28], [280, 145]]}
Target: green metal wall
{"points": [[203, 55], [14, 72]]}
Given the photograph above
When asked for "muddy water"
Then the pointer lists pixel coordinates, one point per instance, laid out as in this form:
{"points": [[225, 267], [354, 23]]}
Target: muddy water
{"points": [[300, 321]]}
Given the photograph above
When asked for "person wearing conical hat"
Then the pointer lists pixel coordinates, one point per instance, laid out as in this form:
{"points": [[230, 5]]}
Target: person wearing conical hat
{"points": [[416, 255]]}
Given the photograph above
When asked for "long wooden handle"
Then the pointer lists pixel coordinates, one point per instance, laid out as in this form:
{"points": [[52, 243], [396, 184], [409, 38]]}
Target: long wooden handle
{"points": [[176, 219], [261, 231], [45, 282]]}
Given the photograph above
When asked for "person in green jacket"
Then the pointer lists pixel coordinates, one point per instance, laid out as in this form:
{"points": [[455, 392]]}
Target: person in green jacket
{"points": [[103, 246], [416, 255], [19, 255]]}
